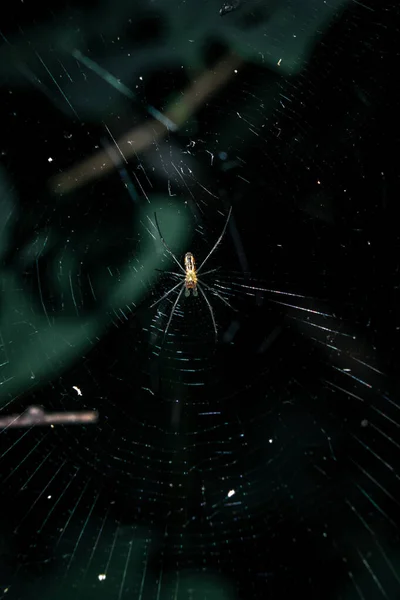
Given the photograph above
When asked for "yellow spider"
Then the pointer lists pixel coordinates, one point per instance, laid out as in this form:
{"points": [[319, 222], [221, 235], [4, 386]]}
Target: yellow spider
{"points": [[191, 281]]}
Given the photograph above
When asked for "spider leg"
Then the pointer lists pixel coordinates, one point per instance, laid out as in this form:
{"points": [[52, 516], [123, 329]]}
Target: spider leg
{"points": [[166, 246], [167, 294], [211, 311], [169, 273], [173, 310], [211, 271], [214, 291], [217, 242]]}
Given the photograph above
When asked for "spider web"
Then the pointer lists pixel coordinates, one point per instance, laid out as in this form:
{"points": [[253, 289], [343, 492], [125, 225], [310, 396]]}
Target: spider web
{"points": [[265, 463]]}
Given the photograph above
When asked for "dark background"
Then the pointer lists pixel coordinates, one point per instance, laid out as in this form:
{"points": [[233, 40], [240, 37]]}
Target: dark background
{"points": [[265, 465]]}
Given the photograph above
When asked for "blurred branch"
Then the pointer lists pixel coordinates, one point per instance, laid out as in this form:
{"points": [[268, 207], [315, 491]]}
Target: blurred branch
{"points": [[36, 415], [142, 137]]}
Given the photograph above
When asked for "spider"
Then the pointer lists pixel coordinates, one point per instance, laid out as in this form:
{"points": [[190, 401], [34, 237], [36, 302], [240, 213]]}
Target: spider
{"points": [[190, 281]]}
